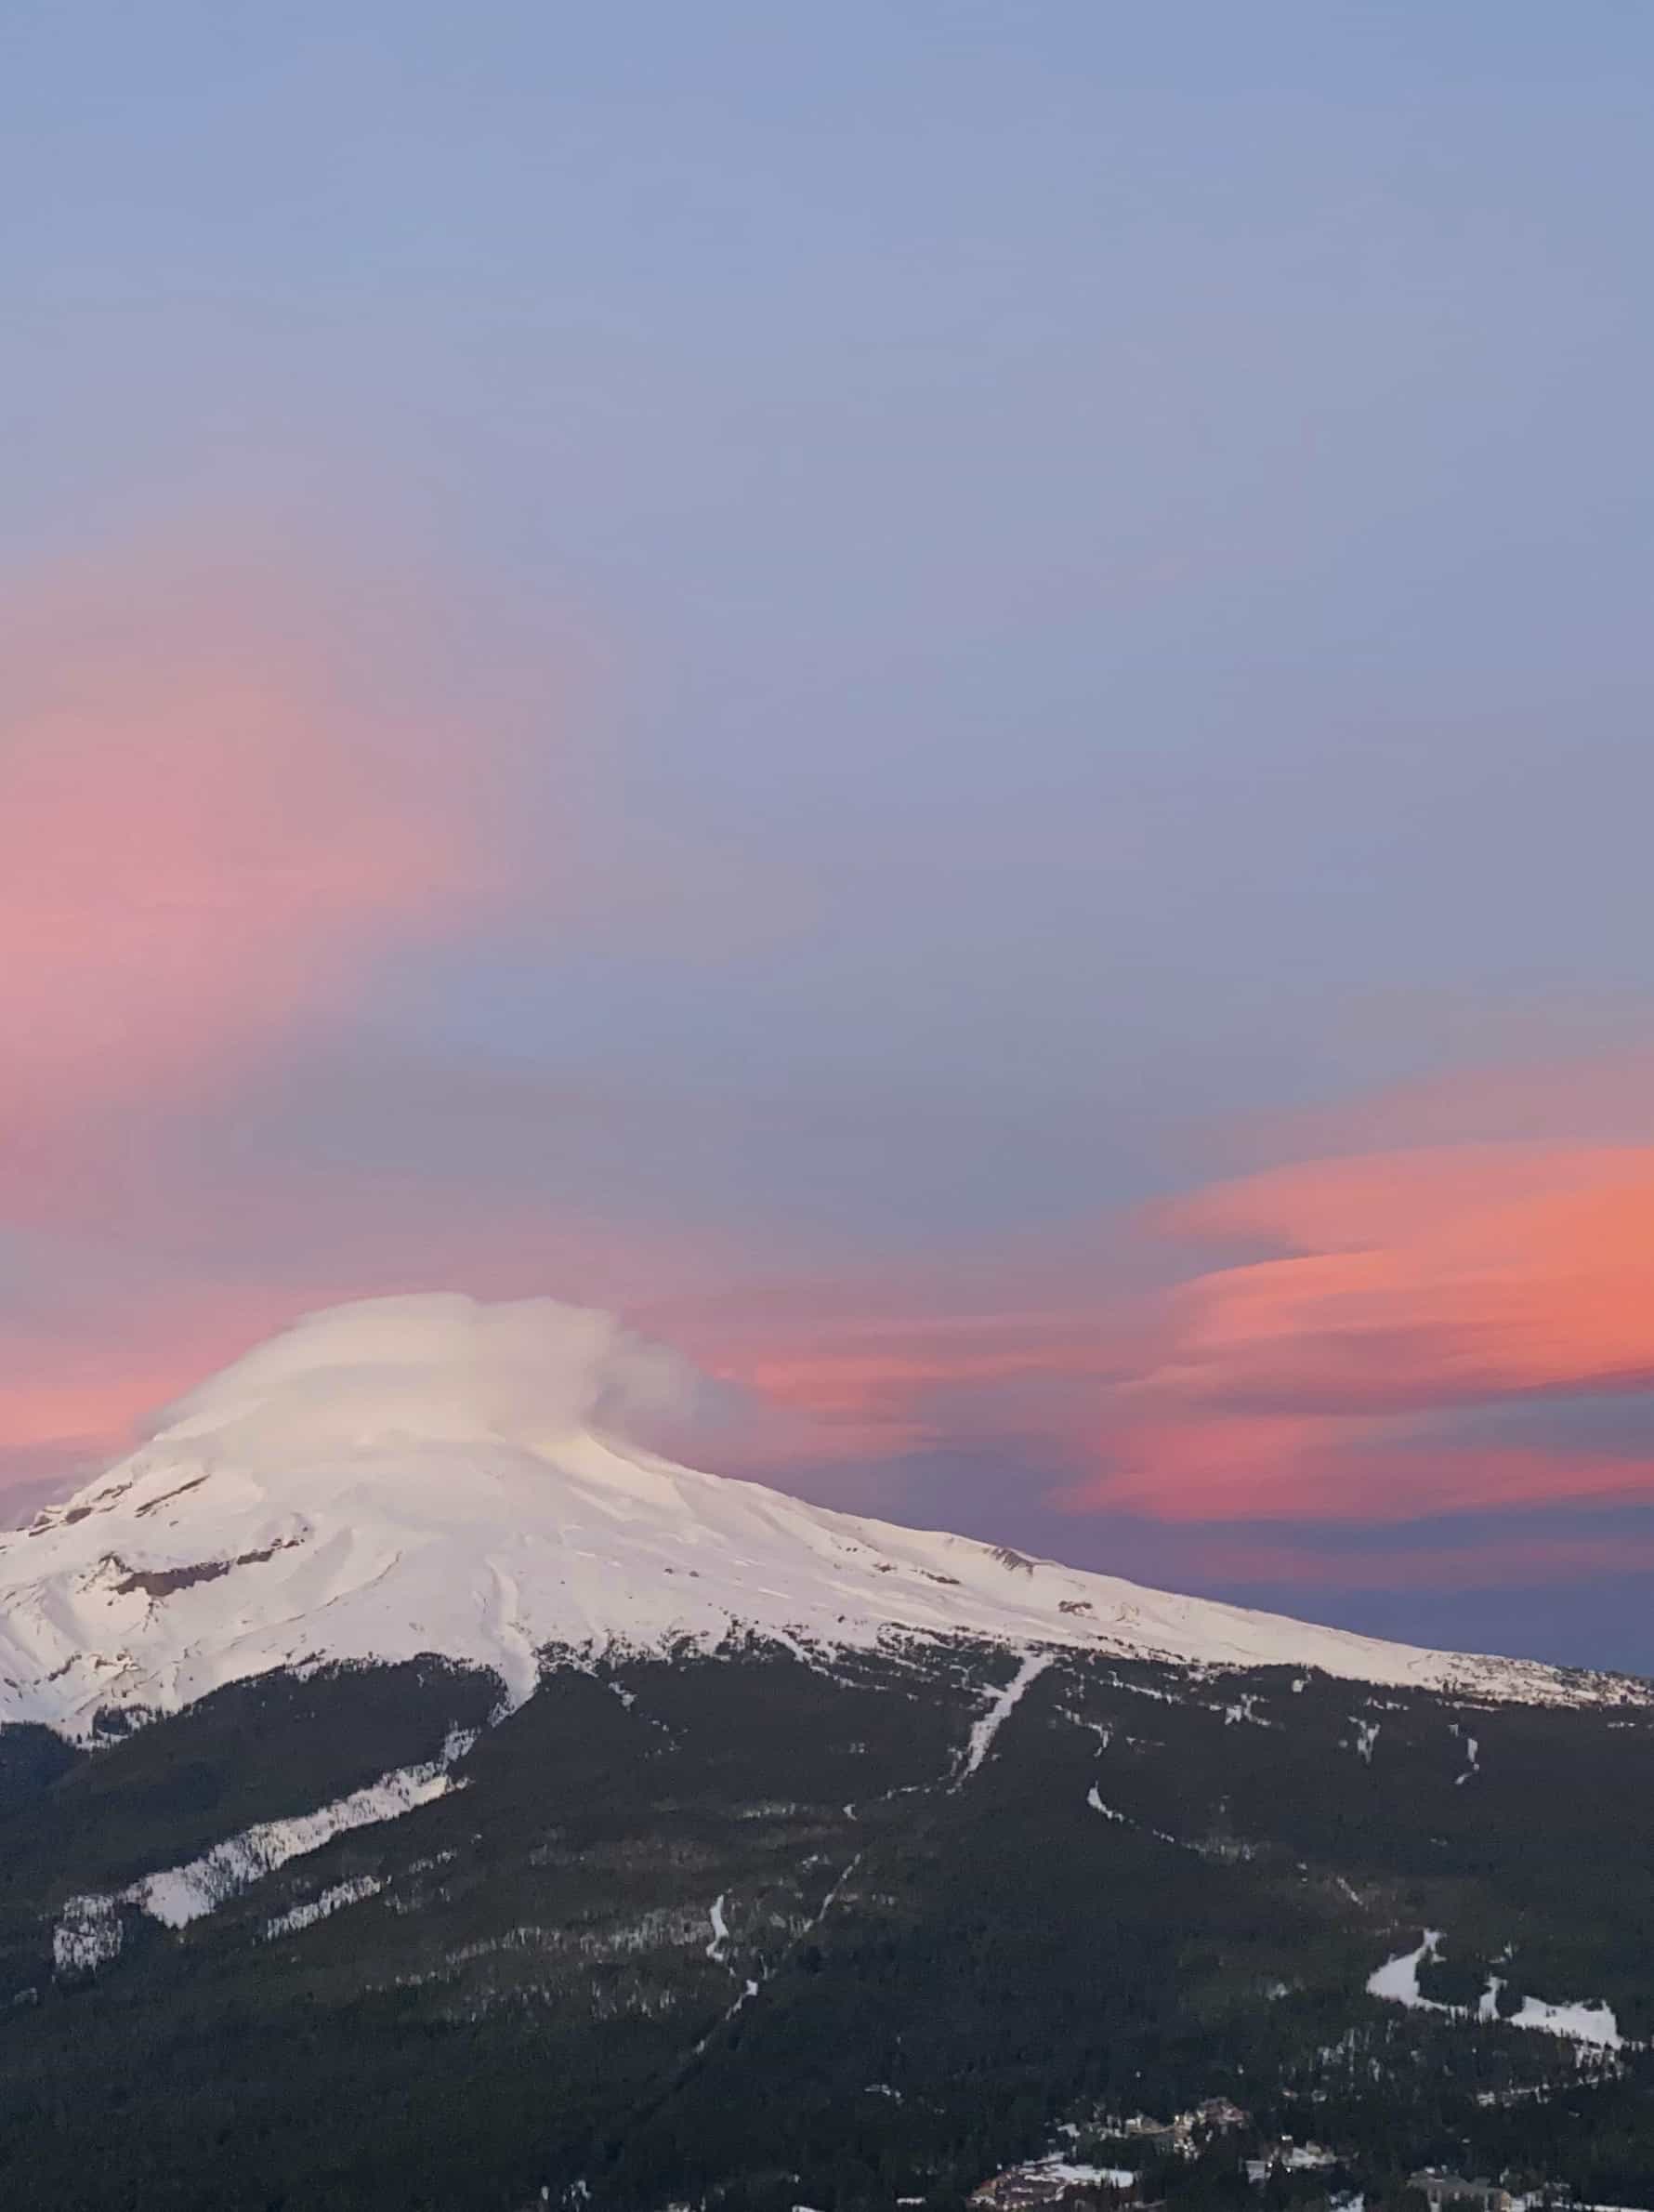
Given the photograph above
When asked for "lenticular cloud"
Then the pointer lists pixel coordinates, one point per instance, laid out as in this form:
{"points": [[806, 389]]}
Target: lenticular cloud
{"points": [[437, 1368]]}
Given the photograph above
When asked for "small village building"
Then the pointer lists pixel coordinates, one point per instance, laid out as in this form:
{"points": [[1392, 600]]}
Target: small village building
{"points": [[1293, 2158], [1161, 2136], [1055, 2182], [1442, 2188], [1218, 2115]]}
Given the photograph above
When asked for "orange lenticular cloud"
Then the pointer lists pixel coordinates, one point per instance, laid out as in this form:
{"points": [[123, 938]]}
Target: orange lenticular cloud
{"points": [[1396, 1289], [1416, 1278]]}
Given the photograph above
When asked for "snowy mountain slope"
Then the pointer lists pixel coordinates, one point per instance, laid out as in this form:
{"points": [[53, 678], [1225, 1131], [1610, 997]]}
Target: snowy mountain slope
{"points": [[428, 1474]]}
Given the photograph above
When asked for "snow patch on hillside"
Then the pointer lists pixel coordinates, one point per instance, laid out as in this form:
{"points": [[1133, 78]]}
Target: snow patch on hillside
{"points": [[322, 1907], [1397, 1981], [1004, 1703], [1579, 2023], [89, 1932], [720, 1930], [181, 1894], [88, 1935], [1109, 1812]]}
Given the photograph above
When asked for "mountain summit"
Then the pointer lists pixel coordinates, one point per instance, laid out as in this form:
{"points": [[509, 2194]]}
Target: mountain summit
{"points": [[433, 1475]]}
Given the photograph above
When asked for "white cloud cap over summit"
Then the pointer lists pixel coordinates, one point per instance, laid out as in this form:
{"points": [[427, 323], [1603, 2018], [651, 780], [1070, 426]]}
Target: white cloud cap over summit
{"points": [[437, 1368]]}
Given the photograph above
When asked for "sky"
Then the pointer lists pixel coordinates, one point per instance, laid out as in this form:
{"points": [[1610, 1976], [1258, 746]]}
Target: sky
{"points": [[951, 700]]}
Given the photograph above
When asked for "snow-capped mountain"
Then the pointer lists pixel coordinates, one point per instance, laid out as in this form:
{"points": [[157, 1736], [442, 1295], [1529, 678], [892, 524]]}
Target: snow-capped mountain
{"points": [[433, 1475], [804, 1859]]}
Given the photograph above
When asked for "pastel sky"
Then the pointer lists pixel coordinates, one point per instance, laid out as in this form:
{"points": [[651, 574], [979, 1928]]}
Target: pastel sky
{"points": [[953, 699]]}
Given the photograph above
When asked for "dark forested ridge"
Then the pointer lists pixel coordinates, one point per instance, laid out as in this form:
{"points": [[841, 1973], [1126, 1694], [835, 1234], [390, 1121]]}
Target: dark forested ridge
{"points": [[751, 1927]]}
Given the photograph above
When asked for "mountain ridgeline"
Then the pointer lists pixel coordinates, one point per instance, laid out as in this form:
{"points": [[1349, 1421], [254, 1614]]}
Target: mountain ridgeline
{"points": [[474, 1807]]}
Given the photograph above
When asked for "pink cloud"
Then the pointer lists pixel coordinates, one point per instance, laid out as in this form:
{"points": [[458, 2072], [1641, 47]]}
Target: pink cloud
{"points": [[1396, 1287], [207, 831]]}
